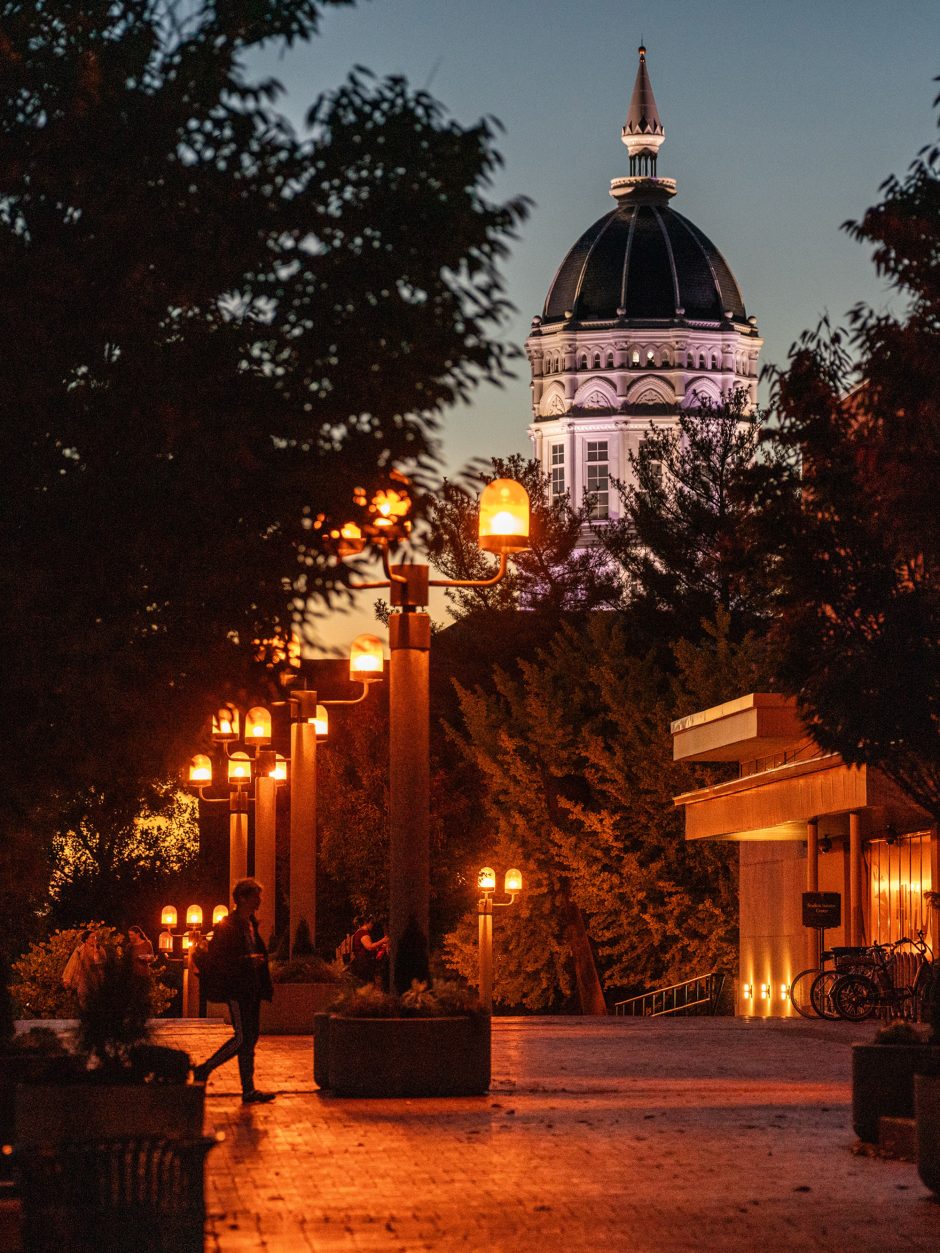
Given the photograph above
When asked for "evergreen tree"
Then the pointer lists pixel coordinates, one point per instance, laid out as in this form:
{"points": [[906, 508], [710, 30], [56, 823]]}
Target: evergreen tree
{"points": [[689, 540]]}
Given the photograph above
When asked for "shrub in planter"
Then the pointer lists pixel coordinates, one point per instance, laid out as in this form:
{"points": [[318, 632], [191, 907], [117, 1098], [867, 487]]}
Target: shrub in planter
{"points": [[37, 990], [883, 1076]]}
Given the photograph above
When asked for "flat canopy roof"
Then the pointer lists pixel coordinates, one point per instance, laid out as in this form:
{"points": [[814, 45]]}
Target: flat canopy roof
{"points": [[756, 725]]}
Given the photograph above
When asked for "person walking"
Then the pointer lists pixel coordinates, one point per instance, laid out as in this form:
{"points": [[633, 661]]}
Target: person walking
{"points": [[240, 977], [366, 952]]}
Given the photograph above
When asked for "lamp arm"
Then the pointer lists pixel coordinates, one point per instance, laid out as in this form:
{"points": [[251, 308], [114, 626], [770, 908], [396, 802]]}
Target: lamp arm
{"points": [[504, 904], [211, 800], [504, 557], [354, 701]]}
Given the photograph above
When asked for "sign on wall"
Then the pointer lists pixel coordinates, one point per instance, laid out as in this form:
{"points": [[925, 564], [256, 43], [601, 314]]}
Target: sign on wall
{"points": [[822, 910]]}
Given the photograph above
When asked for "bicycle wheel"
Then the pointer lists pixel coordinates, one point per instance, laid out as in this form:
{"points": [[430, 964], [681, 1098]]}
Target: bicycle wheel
{"points": [[800, 989], [855, 997], [926, 992], [820, 994]]}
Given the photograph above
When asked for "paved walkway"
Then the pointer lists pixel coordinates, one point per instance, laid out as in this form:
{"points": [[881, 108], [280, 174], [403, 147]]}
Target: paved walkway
{"points": [[706, 1134]]}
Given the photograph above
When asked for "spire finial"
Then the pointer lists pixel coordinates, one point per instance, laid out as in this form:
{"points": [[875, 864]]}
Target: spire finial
{"points": [[643, 133]]}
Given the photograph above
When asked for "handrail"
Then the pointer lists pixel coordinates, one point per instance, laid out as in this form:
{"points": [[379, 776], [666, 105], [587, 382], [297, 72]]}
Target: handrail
{"points": [[699, 995]]}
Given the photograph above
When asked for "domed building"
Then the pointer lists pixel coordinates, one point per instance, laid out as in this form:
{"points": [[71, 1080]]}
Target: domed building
{"points": [[642, 318]]}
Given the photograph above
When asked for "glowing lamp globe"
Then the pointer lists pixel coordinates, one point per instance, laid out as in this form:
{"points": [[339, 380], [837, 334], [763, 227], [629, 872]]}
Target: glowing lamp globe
{"points": [[220, 912], [366, 659], [168, 916], [225, 724], [486, 879], [165, 942], [513, 881], [278, 771], [187, 940], [194, 916], [321, 722], [504, 517], [200, 769], [257, 726], [239, 768]]}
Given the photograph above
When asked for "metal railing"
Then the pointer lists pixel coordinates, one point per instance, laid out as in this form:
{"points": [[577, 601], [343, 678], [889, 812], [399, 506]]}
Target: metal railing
{"points": [[805, 750], [694, 996]]}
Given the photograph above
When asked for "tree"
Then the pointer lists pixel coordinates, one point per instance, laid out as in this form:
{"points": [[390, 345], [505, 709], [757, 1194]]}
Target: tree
{"points": [[860, 414], [575, 757], [214, 330], [688, 540]]}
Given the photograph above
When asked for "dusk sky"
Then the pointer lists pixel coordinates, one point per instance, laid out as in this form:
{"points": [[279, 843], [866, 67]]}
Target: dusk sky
{"points": [[781, 122]]}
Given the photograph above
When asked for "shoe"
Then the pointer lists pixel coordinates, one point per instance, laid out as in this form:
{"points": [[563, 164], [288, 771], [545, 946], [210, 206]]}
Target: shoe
{"points": [[258, 1098], [200, 1074]]}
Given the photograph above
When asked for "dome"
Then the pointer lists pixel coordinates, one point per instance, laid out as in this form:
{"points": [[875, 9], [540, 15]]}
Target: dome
{"points": [[643, 263]]}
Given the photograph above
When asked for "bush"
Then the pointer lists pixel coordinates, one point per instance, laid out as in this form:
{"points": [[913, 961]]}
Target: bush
{"points": [[37, 990], [443, 1000], [304, 970]]}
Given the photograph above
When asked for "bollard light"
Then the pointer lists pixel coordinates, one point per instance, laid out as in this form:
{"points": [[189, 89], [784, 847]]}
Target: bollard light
{"points": [[168, 916], [194, 916], [220, 912], [366, 659], [200, 769], [504, 517]]}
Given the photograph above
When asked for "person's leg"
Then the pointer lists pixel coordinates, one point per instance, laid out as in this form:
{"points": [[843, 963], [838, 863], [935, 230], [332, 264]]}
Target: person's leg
{"points": [[229, 1049], [251, 1023]]}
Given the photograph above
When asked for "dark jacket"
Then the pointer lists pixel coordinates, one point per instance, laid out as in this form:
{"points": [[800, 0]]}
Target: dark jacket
{"points": [[234, 976]]}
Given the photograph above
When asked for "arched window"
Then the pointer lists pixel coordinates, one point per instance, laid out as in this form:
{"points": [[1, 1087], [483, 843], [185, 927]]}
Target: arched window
{"points": [[635, 358], [714, 362], [650, 359], [597, 361], [701, 361], [689, 362], [610, 361], [584, 362], [665, 360]]}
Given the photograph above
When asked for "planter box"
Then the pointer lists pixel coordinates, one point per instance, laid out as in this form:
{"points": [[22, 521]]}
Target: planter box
{"points": [[927, 1129], [407, 1057], [883, 1082], [294, 1005]]}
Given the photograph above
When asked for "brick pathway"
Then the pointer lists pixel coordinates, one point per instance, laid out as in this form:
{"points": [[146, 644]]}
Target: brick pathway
{"points": [[706, 1134]]}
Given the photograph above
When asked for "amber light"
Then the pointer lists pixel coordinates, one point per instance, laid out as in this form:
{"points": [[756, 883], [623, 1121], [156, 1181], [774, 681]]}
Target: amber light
{"points": [[168, 916], [366, 659], [220, 912], [165, 942], [194, 916], [513, 881], [321, 722], [200, 769], [504, 517], [486, 879], [225, 724], [279, 770], [239, 768], [258, 726]]}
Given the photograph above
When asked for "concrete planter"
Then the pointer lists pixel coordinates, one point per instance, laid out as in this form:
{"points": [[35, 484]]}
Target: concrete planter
{"points": [[927, 1130], [883, 1082], [406, 1057], [57, 1113], [294, 1005], [321, 1049]]}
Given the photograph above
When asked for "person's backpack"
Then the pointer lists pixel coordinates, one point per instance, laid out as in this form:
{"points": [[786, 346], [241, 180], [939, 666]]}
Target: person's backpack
{"points": [[205, 961]]}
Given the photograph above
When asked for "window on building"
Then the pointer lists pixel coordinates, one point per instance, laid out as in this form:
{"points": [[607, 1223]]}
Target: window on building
{"points": [[650, 359], [610, 361], [598, 477], [584, 363], [689, 362], [597, 361], [701, 361], [636, 357], [665, 360], [558, 470], [714, 362]]}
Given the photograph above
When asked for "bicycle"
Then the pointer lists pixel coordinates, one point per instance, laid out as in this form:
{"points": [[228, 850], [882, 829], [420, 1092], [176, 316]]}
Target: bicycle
{"points": [[857, 995], [811, 989]]}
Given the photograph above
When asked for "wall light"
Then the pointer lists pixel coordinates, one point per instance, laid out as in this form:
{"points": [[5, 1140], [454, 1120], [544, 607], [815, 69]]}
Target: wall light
{"points": [[765, 991], [747, 991]]}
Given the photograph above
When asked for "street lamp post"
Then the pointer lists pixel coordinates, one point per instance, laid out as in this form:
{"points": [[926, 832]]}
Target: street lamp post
{"points": [[503, 529], [486, 881], [310, 723], [166, 945]]}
